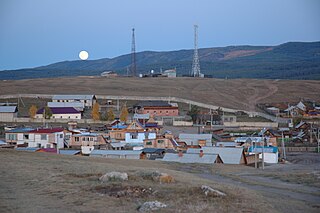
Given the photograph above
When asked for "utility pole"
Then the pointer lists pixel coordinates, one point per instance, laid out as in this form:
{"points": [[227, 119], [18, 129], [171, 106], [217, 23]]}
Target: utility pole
{"points": [[195, 64], [283, 147], [133, 55]]}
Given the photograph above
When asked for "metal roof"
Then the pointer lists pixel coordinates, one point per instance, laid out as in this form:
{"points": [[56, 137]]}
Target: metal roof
{"points": [[229, 155], [266, 149], [68, 152], [92, 134], [66, 104], [248, 139], [118, 144], [153, 104], [190, 158], [8, 109], [60, 110], [29, 149], [72, 97], [20, 130], [225, 144], [115, 152], [193, 139], [153, 150], [2, 142], [141, 116]]}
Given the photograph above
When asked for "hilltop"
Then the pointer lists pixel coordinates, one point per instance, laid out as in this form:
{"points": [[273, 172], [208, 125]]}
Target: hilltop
{"points": [[293, 60]]}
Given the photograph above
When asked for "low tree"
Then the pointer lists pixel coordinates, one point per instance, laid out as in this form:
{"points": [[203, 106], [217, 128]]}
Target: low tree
{"points": [[95, 112], [33, 111], [47, 113], [124, 114], [194, 113], [110, 115]]}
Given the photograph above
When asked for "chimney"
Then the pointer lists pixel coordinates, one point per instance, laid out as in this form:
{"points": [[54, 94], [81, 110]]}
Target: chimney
{"points": [[180, 154], [201, 153]]}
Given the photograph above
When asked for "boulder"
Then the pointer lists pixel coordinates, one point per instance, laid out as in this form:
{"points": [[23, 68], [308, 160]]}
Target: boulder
{"points": [[151, 206], [213, 192], [114, 176]]}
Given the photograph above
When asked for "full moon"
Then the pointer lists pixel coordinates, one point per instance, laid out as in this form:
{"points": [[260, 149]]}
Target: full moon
{"points": [[83, 55]]}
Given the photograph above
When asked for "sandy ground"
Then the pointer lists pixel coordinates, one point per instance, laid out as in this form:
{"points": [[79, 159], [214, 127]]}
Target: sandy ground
{"points": [[41, 182], [233, 93]]}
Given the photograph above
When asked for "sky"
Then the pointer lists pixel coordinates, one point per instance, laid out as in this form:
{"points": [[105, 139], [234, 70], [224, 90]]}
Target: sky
{"points": [[40, 32]]}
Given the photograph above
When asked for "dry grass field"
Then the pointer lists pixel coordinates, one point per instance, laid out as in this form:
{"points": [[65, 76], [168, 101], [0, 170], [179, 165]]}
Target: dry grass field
{"points": [[233, 93], [42, 182]]}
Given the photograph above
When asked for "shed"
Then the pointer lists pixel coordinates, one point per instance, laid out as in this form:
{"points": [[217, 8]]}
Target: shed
{"points": [[270, 153], [8, 113]]}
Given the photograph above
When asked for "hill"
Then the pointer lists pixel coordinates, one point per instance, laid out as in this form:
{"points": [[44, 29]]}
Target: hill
{"points": [[293, 60]]}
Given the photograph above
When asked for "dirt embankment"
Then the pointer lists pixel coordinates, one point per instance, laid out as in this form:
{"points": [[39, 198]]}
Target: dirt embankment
{"points": [[231, 93]]}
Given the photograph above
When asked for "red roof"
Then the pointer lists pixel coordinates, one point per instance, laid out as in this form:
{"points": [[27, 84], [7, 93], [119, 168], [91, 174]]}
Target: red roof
{"points": [[49, 130]]}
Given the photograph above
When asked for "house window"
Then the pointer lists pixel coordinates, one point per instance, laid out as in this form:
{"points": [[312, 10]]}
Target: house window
{"points": [[48, 146], [76, 116], [76, 139], [91, 139], [61, 135], [134, 136], [12, 137], [39, 145], [160, 141], [60, 116], [149, 143], [69, 116], [83, 139], [52, 116], [58, 100], [26, 136], [43, 137], [167, 111]]}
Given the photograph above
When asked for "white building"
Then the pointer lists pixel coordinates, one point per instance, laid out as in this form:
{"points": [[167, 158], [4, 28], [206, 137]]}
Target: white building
{"points": [[87, 100], [8, 113], [138, 137], [46, 138]]}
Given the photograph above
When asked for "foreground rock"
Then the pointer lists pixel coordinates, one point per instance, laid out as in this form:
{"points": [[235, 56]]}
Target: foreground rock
{"points": [[151, 206], [208, 191], [114, 176], [156, 176]]}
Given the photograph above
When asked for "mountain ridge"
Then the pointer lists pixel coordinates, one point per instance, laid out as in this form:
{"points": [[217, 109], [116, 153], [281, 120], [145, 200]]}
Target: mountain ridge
{"points": [[291, 60]]}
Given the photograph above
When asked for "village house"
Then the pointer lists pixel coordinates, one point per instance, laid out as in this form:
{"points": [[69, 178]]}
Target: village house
{"points": [[87, 100], [87, 139], [60, 113], [165, 141], [46, 138], [8, 113], [157, 108], [137, 133], [18, 136]]}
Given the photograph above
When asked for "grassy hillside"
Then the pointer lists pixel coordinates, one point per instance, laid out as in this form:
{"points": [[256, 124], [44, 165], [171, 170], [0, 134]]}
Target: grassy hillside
{"points": [[293, 60]]}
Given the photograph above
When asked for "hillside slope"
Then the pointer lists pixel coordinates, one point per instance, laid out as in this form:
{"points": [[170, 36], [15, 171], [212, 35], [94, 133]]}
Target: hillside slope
{"points": [[293, 60]]}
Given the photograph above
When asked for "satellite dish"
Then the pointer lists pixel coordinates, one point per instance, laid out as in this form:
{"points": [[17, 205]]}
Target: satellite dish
{"points": [[83, 55]]}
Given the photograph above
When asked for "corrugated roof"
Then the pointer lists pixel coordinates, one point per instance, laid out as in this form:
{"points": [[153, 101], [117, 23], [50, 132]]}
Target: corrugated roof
{"points": [[8, 109], [190, 158], [141, 116], [72, 97], [153, 104], [68, 152], [229, 155], [92, 134], [115, 152], [118, 144], [152, 150], [266, 149], [225, 144], [49, 130], [29, 149], [20, 130], [66, 104], [60, 110], [192, 139]]}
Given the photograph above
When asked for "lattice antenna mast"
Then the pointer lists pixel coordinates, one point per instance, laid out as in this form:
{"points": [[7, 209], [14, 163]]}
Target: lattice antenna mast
{"points": [[133, 55], [195, 63]]}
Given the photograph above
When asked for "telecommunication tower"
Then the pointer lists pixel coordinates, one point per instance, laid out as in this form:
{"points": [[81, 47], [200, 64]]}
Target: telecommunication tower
{"points": [[196, 64], [133, 67]]}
